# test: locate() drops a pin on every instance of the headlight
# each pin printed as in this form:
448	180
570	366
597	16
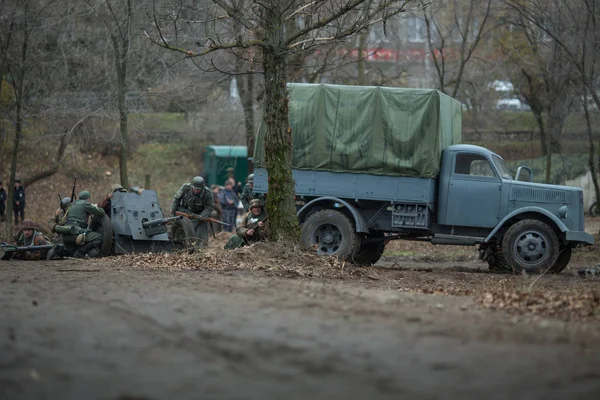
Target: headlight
563	212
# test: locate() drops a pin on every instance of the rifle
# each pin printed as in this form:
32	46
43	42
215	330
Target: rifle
73	191
8	250
200	218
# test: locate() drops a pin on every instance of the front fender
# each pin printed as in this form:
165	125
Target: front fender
538	210
359	220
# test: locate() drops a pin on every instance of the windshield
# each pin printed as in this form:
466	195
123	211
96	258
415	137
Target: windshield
502	167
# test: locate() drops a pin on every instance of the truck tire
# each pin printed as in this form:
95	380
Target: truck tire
369	253
531	246
562	261
103	225
182	233
331	233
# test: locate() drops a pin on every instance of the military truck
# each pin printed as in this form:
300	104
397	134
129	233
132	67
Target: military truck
374	164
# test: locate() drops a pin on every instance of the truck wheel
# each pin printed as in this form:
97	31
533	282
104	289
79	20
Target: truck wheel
369	253
331	233
562	261
182	232
531	246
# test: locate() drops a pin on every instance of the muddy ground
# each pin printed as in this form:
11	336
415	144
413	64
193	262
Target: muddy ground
269	322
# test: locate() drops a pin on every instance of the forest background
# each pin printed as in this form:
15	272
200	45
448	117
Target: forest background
88	89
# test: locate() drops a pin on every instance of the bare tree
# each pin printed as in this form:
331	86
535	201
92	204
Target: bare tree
454	30
263	27
28	28
572	26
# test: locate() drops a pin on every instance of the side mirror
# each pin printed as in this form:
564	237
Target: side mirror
523	167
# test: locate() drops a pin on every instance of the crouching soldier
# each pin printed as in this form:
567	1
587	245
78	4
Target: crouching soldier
30	236
75	232
252	229
196	200
59	217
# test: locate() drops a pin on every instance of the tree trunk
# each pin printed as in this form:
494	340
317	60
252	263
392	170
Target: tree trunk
124	134
283	224
360	64
246	89
557	114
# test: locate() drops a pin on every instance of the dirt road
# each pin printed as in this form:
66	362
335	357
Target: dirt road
98	331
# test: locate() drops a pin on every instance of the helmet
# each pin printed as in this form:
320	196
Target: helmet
250	178
28	224
116	187
84	195
65	202
254	203
198	182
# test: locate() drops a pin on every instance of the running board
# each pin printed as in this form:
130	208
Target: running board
457	240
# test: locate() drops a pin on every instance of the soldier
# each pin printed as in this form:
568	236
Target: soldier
252	229
78	214
2	202
105	204
29	236
18	201
247	194
195	198
59	217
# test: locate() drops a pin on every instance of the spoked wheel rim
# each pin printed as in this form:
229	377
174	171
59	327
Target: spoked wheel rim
327	238
531	248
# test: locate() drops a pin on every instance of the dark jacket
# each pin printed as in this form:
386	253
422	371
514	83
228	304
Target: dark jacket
229	200
2	195
19	195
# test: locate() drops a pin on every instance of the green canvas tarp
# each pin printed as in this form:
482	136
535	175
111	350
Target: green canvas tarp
368	129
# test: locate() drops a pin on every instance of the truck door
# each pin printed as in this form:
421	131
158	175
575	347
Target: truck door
473	192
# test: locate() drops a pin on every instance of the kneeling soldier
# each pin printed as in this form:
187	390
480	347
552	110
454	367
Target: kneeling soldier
76	232
252	229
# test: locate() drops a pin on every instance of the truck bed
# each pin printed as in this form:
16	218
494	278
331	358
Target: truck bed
357	186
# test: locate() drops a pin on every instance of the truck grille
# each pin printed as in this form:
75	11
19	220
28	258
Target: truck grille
537	195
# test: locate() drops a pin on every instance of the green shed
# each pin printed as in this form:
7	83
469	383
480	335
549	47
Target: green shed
218	158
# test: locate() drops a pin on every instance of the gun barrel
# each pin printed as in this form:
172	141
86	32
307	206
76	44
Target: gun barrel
6	250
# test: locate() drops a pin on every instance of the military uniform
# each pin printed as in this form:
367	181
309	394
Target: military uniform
250	222
247	194
36	239
59	217
201	203
78	214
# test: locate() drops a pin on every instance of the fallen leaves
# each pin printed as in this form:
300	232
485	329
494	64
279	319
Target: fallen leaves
544	303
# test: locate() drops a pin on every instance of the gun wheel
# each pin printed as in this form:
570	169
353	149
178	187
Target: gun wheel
182	233
103	225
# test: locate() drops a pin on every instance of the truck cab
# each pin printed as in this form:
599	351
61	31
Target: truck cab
520	225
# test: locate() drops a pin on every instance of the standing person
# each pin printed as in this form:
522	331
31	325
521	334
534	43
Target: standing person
247	194
195	198
2	203
217	212
18	201
78	216
229	202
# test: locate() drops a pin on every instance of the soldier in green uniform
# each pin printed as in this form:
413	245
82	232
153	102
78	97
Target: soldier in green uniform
59	215
247	194
252	229
195	198
78	215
